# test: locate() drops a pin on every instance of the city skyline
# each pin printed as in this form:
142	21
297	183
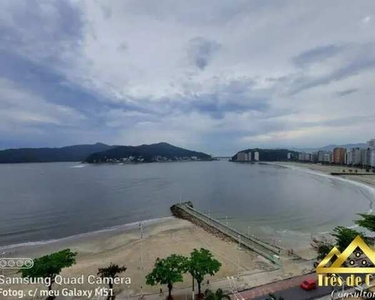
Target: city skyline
212	76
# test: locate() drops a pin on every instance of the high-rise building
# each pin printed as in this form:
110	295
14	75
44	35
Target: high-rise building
348	157
314	157
327	157
339	155
241	156
372	157
365	156
249	156
289	156
256	156
356	156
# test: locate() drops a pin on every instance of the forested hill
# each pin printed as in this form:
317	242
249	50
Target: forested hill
146	153
270	154
70	153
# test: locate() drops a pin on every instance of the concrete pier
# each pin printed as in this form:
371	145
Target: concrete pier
186	211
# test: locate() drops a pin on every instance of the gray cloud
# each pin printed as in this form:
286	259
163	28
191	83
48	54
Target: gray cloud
346	92
201	51
316	54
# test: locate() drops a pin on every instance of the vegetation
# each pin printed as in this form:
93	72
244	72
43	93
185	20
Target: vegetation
71	153
112	272
167	271
145	153
49	266
344	236
201	263
218	295
367	221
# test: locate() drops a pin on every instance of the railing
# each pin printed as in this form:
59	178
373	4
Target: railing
262	248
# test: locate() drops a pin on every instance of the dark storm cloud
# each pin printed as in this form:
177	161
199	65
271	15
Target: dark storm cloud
201	51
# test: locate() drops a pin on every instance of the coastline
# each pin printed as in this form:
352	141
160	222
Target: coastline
368	180
125	246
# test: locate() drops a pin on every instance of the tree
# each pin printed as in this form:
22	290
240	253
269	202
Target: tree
167	271
111	272
49	266
218	295
344	236
368	221
201	263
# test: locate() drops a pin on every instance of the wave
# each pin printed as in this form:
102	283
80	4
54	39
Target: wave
87	234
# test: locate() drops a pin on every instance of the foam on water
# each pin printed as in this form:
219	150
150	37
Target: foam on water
88	234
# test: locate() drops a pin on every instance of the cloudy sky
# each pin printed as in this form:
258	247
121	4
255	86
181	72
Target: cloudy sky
216	76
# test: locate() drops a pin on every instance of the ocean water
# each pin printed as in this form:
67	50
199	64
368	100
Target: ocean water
41	202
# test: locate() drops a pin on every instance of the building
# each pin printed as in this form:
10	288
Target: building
356	156
241	156
249	156
327	157
314	157
348	157
339	155
372	157
256	156
289	156
366	156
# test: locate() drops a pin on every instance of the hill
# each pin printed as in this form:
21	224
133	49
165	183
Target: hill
70	153
146	153
270	154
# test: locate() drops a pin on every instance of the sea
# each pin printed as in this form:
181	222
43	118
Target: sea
41	202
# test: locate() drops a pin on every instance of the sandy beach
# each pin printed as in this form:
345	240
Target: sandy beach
124	247
162	237
327	169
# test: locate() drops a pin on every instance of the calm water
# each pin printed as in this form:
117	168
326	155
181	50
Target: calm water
55	200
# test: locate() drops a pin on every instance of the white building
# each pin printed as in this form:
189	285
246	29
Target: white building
289	156
327	157
256	156
249	156
372	157
241	156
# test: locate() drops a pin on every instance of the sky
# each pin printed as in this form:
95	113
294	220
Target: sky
217	76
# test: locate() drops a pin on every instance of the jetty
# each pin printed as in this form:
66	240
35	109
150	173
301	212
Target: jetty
186	211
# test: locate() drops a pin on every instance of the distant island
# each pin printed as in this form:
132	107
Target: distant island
257	154
64	154
102	153
160	152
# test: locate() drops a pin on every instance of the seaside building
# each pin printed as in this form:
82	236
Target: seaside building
241	156
249	156
314	157
289	156
356	156
327	157
339	155
256	156
348	157
366	156
372	158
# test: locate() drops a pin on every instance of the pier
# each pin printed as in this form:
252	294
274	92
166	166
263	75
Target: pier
188	212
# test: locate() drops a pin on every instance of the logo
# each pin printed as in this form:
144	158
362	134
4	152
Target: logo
16	263
357	258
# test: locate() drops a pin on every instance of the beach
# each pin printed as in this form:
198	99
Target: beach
328	169
128	245
125	247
